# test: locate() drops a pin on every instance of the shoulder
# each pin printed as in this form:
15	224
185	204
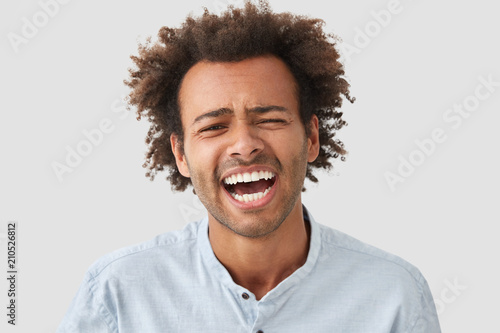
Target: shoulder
130	278
364	279
170	246
363	272
368	261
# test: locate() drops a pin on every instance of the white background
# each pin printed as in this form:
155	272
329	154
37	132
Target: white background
68	77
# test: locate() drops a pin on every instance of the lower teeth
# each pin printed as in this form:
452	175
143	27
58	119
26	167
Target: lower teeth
252	196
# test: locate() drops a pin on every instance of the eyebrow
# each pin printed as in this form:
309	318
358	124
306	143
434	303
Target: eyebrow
225	111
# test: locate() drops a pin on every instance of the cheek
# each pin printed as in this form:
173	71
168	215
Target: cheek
290	143
203	156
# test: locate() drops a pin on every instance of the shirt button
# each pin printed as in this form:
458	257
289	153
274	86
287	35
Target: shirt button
245	296
260	331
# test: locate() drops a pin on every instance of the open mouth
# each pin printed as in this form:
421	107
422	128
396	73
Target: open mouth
248	187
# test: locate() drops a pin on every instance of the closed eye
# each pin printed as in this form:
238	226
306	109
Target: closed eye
273	121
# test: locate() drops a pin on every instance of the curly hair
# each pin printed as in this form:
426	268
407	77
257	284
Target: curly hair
232	36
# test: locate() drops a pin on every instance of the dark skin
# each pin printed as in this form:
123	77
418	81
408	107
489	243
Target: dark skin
263	241
237	34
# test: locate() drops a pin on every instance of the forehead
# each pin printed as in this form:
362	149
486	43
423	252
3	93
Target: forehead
252	82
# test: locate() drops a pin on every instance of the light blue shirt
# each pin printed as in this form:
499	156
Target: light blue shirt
174	283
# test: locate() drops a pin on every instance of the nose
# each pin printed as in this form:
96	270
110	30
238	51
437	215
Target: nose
245	142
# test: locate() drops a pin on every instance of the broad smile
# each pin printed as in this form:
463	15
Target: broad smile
250	187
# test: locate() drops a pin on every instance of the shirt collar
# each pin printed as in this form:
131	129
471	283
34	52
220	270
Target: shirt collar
216	268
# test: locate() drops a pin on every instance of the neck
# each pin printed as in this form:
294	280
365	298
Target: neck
260	264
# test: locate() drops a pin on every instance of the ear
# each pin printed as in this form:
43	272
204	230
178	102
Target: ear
180	158
313	139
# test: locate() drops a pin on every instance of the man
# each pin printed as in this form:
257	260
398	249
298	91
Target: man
242	107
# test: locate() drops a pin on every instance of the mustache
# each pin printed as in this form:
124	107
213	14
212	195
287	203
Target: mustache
238	162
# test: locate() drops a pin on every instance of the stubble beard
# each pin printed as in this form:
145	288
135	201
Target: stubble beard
258	227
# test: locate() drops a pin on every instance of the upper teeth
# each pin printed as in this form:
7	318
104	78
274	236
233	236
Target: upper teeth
248	177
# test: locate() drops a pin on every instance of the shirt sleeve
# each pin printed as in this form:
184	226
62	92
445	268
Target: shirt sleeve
87	314
427	321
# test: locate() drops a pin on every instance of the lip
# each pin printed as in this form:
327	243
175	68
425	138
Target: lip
259	203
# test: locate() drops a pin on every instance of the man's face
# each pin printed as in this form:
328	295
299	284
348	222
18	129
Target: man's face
245	147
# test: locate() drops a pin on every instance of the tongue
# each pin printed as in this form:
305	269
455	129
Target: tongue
252	187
